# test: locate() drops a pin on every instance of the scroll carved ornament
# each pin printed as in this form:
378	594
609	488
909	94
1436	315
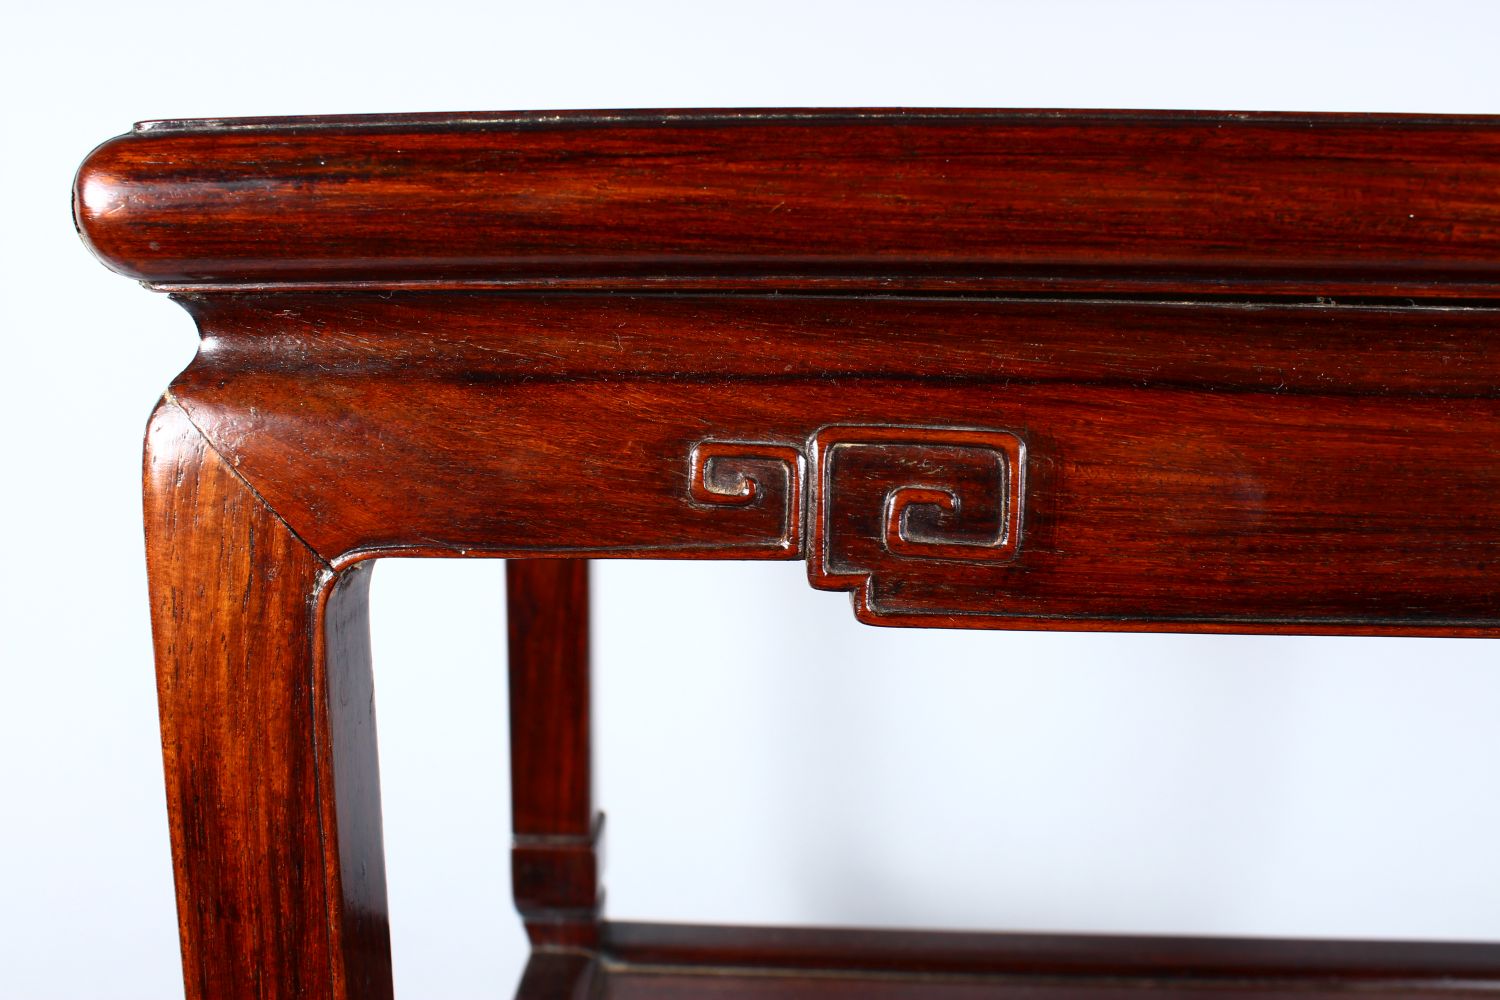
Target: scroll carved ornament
745	474
882	502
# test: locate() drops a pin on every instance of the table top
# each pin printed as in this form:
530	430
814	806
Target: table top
1035	202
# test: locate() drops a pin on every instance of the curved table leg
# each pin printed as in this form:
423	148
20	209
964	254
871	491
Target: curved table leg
268	732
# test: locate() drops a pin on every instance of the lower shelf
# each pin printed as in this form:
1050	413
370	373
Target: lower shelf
637	961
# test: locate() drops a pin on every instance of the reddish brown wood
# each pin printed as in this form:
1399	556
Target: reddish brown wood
554	869
268	732
1140	958
1204	467
753	475
669	961
715	984
1111	200
451	335
561	975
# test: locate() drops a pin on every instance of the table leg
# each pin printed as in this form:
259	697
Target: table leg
268	733
554	862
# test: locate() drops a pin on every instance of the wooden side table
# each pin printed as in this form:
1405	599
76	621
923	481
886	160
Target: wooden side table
1119	371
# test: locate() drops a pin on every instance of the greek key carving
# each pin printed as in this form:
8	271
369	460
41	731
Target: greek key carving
891	501
751	474
888	505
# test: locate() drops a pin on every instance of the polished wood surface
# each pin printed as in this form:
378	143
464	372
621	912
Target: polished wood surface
666	960
554	864
640	960
1205	466
1064	370
1346	204
268	732
1120	957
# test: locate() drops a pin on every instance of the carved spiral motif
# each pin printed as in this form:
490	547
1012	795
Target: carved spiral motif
889	505
745	474
917	520
892	504
902	502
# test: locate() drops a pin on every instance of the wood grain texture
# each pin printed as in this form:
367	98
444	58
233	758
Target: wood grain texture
268	735
1224	467
1140	201
554	863
1066	370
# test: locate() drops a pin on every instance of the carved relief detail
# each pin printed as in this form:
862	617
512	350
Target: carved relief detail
751	474
891	501
887	504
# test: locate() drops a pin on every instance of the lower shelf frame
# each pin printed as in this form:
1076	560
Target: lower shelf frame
636	961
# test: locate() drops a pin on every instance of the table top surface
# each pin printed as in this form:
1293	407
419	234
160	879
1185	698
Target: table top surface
1051	202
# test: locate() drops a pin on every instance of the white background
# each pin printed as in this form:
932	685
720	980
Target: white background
761	757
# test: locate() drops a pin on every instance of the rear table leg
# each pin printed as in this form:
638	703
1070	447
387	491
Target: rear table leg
554	866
